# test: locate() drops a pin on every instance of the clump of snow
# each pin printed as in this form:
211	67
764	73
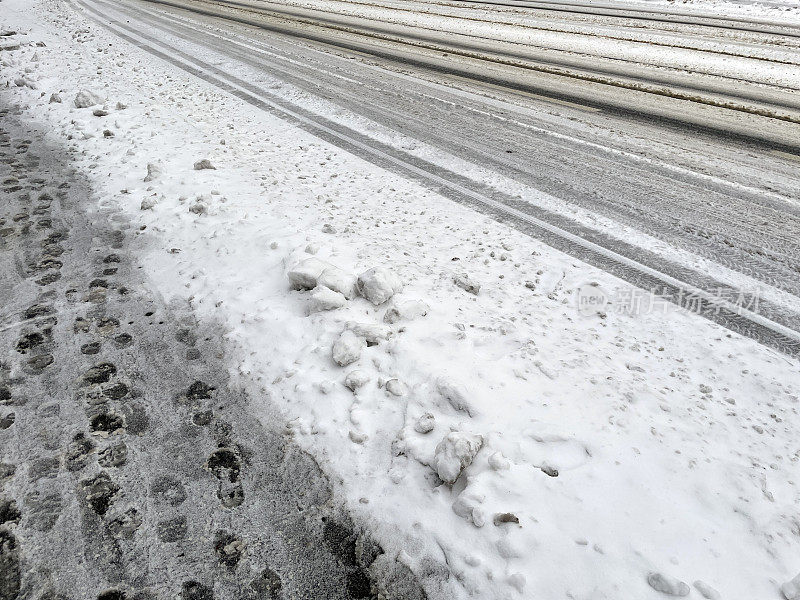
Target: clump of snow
791	589
324	298
455	395
153	172
378	285
667	585
304	276
396	387
356	379
425	424
347	348
498	462
339	281
85	99
455	453
55	99
358	437
408	310
467	506
198	207
374	333
203	164
466	283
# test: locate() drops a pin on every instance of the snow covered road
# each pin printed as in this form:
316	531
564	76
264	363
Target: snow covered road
687	229
397	253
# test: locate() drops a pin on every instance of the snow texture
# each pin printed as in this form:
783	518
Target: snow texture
378	285
455	453
655	472
85	99
324	298
305	275
791	589
667	585
347	348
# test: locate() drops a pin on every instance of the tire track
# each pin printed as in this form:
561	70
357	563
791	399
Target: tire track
773	326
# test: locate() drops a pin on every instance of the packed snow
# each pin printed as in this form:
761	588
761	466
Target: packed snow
497	440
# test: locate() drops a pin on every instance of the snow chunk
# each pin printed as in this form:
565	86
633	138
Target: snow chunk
706	591
455	453
198	208
55	99
425	424
667	585
203	164
153	172
326	299
358	437
466	283
347	348
372	332
406	311
339	281
467	507
305	274
86	99
378	285
355	380
455	395
499	462
791	589
396	387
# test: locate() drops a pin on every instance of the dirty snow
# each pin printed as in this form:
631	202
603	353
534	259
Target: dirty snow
620	456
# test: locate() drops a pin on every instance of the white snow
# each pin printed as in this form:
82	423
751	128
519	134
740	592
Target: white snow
347	348
306	274
791	589
455	453
706	591
378	285
324	298
425	424
85	99
667	585
406	311
338	281
356	379
674	442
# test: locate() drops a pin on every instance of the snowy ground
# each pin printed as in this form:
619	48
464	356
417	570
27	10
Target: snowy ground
778	10
612	447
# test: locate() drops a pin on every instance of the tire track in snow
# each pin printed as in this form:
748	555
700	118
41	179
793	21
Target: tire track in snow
772	326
